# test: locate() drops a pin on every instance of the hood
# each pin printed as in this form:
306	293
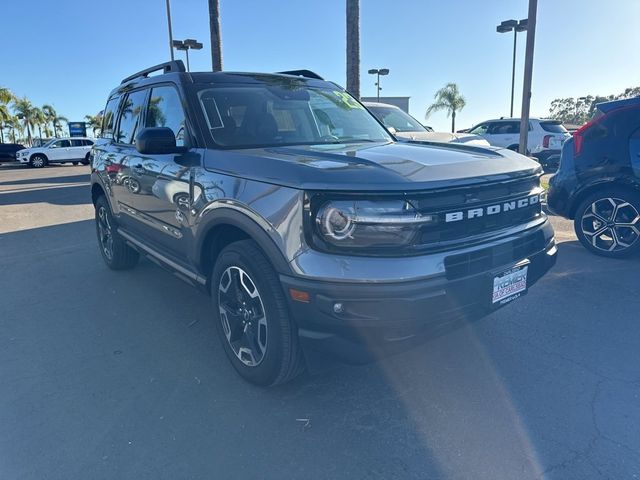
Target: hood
446	137
372	167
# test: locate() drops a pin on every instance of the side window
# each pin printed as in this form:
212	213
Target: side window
61	144
165	110
77	143
109	117
130	116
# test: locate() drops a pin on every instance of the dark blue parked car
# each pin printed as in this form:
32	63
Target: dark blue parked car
598	182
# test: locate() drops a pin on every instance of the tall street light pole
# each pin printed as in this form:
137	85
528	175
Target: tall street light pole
515	26
378	72
170	30
528	75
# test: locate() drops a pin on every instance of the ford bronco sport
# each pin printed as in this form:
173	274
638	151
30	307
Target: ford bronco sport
312	229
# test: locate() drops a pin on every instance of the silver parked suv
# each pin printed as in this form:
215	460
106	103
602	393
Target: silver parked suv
311	228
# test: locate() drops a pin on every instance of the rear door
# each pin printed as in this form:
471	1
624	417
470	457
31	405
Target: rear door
634	152
77	149
128	184
556	132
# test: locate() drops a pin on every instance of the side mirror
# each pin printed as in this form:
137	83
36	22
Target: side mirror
157	140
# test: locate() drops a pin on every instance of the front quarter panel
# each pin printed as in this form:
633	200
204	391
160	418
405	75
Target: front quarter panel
277	211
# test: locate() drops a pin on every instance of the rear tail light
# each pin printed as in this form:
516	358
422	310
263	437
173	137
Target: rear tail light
545	141
578	137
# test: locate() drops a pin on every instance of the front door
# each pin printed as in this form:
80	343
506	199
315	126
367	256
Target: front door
59	151
166	206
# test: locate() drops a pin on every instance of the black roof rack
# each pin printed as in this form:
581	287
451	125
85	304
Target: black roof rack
302	73
172	66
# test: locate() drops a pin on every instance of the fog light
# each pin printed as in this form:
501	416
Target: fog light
338	307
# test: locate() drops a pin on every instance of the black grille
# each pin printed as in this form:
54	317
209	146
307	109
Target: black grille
438	204
478	261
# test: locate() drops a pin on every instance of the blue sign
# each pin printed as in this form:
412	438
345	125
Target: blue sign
77	129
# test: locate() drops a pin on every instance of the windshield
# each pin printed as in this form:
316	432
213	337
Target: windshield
286	114
398	119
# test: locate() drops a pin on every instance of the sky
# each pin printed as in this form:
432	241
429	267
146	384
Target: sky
71	53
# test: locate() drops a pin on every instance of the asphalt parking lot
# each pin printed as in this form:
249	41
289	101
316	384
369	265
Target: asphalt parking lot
120	375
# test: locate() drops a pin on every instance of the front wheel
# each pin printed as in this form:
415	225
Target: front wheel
38	161
607	222
252	318
114	249
85	161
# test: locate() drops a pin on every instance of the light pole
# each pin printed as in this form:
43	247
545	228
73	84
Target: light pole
186	45
528	75
170	31
378	72
505	27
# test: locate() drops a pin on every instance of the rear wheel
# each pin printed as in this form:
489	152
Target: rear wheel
114	249
252	318
38	161
607	222
75	163
85	161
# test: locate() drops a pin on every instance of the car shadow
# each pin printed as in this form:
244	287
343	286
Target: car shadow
62	195
49	180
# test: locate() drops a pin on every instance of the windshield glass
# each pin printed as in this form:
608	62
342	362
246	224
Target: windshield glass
286	114
398	119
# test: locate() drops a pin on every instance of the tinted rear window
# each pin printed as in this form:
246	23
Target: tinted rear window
553	127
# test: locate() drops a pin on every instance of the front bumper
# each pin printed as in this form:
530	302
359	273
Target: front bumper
359	322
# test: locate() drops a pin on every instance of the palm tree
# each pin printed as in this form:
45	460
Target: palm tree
449	99
39	119
353	47
57	125
12	123
5	98
24	111
94	121
216	35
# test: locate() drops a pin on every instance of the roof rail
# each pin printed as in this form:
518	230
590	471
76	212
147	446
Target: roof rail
302	73
172	66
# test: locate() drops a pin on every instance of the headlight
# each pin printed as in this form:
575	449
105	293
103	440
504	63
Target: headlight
370	224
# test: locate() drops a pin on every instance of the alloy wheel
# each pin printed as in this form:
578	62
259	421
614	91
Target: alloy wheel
243	316
611	224
106	234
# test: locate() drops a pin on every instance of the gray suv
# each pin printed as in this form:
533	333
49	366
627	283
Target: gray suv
315	233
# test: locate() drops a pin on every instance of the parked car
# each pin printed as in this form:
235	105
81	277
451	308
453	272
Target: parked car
598	182
313	231
8	151
545	137
406	128
58	150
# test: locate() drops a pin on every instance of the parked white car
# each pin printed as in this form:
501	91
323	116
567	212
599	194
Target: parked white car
545	139
406	128
58	150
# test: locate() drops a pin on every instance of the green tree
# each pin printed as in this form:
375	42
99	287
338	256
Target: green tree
24	111
6	97
95	122
450	100
39	119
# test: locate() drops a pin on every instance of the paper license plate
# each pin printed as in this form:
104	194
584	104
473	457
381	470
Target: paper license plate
509	285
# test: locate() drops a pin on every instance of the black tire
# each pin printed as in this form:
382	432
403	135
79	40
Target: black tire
115	253
607	222
281	359
38	161
75	163
85	161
